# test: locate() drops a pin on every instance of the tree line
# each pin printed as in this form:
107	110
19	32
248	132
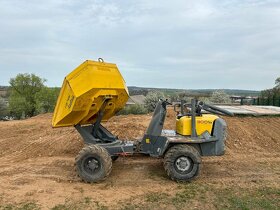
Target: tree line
28	96
218	96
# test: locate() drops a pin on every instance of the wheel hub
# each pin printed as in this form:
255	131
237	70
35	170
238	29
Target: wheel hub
92	164
183	163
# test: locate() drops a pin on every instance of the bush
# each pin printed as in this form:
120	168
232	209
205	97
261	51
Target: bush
220	96
133	109
204	99
152	99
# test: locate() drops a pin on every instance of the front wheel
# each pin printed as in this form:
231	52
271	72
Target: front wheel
182	162
93	163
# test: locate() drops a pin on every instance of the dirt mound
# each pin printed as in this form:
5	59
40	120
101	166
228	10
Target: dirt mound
36	160
36	138
253	134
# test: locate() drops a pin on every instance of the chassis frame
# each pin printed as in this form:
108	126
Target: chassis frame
156	141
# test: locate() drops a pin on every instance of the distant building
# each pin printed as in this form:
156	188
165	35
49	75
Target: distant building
3	92
136	99
242	99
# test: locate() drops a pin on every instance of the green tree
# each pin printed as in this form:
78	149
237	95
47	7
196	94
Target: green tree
219	96
22	100
46	99
151	100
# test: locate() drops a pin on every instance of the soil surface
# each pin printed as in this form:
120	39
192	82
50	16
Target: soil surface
37	162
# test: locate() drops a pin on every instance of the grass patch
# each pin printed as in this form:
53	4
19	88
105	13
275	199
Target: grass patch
202	196
156	197
21	206
263	198
246	202
86	203
187	196
130	206
187	193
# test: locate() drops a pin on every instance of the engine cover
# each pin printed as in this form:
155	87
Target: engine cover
203	123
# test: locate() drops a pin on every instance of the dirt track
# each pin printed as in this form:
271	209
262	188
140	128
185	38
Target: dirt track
36	163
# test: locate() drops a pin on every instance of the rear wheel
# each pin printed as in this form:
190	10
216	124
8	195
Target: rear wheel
182	162
93	163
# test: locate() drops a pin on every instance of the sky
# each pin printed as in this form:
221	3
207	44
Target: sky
185	44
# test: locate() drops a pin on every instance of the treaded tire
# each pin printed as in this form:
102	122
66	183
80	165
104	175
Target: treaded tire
186	172
93	163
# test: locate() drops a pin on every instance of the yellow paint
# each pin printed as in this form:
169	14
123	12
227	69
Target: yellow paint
147	141
203	123
84	90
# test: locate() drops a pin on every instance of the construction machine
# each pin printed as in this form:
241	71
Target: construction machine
96	91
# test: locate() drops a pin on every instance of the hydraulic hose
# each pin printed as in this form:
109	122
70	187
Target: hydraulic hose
218	109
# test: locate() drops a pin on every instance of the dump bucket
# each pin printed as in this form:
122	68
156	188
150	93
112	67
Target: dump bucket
84	91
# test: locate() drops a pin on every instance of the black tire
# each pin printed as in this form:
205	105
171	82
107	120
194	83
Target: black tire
114	157
182	162
93	163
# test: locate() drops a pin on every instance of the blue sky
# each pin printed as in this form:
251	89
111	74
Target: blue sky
173	44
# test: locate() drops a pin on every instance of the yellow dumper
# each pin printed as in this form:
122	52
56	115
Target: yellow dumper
95	91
